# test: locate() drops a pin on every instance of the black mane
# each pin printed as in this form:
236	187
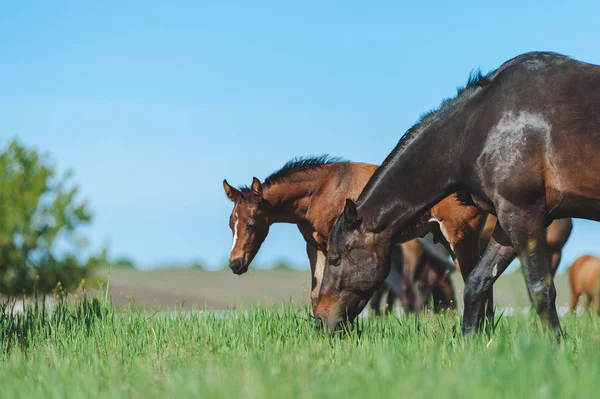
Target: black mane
476	79
298	164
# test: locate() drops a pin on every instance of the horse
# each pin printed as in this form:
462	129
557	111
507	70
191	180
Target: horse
425	273
310	193
520	142
584	277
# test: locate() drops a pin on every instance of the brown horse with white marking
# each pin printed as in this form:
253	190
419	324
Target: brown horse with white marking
310	193
584	278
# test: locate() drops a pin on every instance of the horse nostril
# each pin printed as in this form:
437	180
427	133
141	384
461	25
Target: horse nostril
236	265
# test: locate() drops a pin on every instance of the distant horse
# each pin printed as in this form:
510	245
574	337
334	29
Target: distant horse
584	277
425	273
521	142
310	193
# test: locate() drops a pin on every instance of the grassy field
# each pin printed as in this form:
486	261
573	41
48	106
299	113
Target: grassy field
93	350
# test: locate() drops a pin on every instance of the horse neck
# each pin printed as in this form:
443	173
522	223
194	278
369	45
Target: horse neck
288	201
415	178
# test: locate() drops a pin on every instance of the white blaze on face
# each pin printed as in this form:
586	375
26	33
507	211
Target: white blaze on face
319	268
235	234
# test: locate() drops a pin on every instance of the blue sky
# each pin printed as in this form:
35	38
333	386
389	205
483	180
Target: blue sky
153	104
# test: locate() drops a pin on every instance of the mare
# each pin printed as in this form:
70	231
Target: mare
310	193
584	278
521	143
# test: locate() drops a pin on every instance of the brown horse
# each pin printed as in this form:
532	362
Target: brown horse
309	193
425	273
521	142
584	277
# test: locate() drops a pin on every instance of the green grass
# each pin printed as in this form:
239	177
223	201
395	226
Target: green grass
90	349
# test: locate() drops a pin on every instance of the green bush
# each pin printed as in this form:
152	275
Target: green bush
123	263
40	212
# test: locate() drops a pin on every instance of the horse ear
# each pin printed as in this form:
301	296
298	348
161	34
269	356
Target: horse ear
256	189
232	193
351	220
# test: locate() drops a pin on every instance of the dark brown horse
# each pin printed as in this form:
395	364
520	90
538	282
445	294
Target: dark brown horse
310	193
584	278
521	142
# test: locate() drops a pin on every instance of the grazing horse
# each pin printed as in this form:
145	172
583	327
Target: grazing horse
310	193
584	277
521	142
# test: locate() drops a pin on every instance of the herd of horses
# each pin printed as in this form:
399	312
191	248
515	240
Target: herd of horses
494	173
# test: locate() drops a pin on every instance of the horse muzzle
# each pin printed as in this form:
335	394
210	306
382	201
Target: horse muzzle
239	265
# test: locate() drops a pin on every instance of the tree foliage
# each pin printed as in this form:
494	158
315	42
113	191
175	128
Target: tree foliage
40	220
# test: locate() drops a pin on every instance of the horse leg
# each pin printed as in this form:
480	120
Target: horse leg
467	255
478	287
527	232
596	301
423	293
311	251
574	300
317	263
556	256
489	308
554	262
437	299
588	302
376	300
391	298
575	293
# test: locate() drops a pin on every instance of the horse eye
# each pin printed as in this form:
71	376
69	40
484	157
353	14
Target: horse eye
334	260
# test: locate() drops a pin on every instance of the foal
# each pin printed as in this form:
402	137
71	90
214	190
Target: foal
310	193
